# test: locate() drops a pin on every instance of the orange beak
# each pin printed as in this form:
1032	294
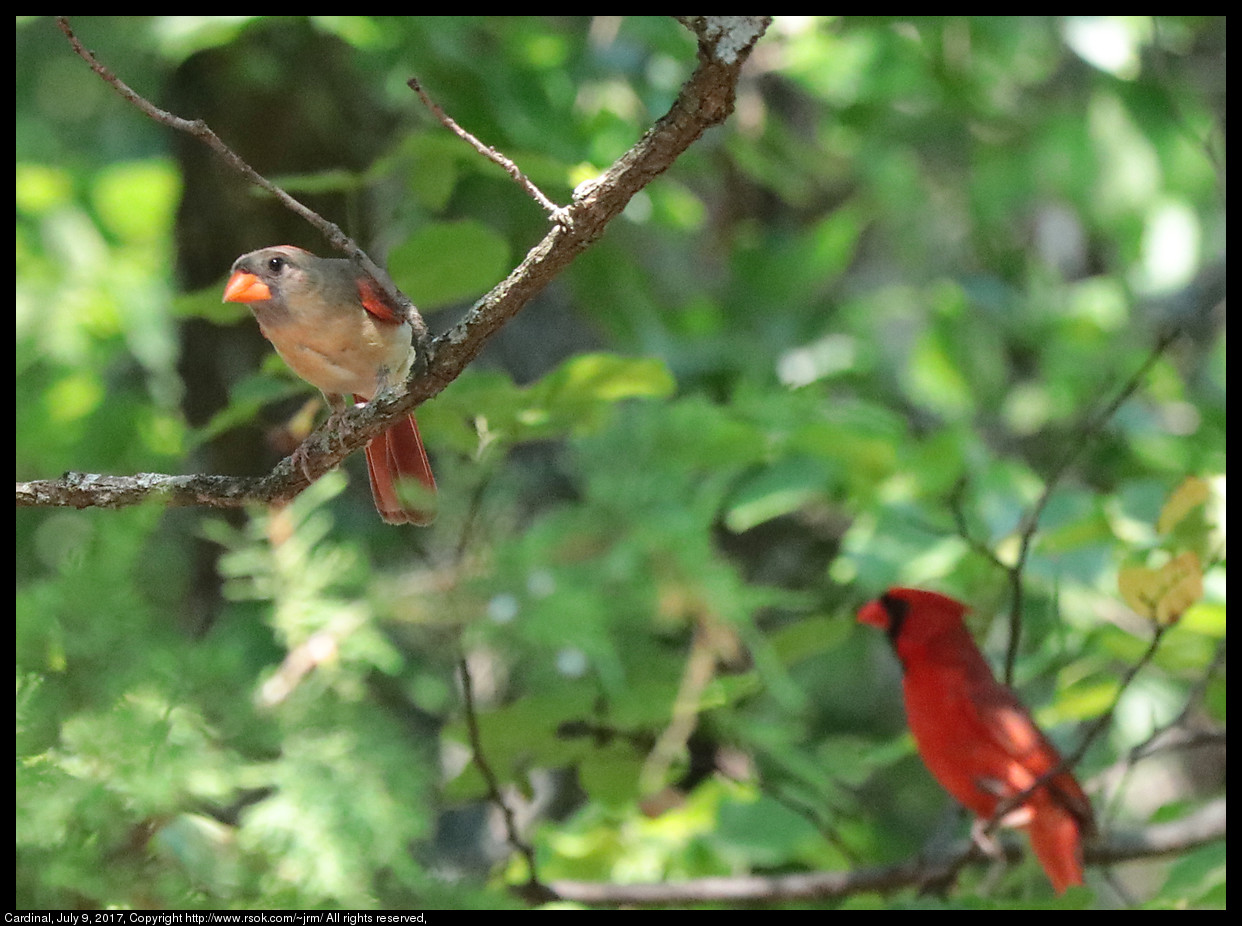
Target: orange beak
245	287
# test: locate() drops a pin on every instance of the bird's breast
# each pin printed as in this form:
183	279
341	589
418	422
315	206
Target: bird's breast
344	353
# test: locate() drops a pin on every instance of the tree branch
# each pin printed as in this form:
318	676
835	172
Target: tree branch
705	100
1198	828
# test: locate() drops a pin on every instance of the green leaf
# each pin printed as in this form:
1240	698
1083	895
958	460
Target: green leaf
593	379
779	489
448	262
136	200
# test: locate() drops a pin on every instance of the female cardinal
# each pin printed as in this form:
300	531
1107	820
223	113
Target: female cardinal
975	736
339	332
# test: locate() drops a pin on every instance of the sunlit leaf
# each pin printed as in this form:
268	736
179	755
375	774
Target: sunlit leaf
1192	493
1163	594
779	489
448	262
136	200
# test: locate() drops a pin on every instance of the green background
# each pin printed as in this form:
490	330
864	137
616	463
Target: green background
839	346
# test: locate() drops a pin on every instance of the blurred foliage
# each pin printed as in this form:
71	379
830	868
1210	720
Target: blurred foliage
916	258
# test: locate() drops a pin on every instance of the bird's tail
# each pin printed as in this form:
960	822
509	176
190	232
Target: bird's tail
394	457
1056	837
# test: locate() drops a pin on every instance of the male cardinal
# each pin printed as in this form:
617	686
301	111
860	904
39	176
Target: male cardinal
341	333
975	736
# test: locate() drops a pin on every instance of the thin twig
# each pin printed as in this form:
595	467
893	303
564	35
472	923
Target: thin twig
203	132
1091	426
957	508
555	211
1196	695
494	794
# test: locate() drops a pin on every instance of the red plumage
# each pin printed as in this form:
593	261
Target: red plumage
392	457
974	735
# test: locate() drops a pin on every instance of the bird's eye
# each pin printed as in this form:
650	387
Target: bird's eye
276	264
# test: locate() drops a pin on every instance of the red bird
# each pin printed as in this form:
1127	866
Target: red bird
340	333
975	736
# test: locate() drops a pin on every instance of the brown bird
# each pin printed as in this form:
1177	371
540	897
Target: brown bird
342	334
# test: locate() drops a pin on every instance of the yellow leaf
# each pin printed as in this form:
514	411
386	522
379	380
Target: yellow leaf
1163	594
1185	587
1192	493
1137	587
